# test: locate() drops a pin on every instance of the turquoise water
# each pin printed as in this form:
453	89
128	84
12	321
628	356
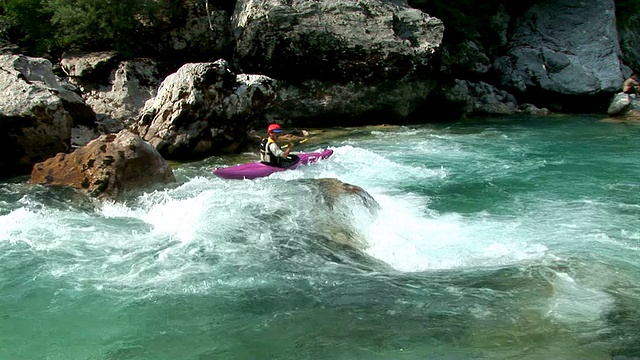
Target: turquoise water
510	238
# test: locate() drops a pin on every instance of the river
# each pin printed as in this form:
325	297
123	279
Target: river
500	238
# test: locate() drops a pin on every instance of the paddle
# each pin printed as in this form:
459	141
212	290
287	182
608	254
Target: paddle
289	146
292	143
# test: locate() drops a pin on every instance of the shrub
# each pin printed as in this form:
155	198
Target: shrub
27	23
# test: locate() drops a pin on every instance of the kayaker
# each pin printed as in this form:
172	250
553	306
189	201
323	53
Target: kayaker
271	153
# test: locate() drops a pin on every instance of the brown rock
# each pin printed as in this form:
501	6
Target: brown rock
333	189
107	167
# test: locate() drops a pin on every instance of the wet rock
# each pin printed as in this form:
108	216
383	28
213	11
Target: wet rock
625	106
342	203
107	167
619	104
333	189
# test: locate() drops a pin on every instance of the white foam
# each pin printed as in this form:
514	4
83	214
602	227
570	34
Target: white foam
14	224
576	303
409	239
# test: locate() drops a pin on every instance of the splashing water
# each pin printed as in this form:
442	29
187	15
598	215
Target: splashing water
494	239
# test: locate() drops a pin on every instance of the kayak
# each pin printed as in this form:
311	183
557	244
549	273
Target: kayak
258	169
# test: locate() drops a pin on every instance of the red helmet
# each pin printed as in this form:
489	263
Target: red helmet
274	128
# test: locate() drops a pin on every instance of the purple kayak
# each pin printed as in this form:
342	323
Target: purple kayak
257	169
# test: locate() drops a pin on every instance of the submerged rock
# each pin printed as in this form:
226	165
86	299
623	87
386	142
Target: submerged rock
333	190
340	204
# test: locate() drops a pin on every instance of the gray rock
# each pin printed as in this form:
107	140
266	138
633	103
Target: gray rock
312	99
619	104
531	109
352	40
119	102
467	57
204	109
36	113
471	98
82	64
564	47
339	58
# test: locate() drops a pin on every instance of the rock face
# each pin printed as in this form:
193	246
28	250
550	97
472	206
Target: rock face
119	102
107	167
320	103
115	90
343	40
564	47
205	32
629	39
36	113
339	58
204	109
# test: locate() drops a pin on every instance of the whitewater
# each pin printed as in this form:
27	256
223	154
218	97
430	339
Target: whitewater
498	238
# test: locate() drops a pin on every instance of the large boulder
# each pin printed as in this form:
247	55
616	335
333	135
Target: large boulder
81	66
107	167
337	58
343	40
564	47
625	106
36	113
204	109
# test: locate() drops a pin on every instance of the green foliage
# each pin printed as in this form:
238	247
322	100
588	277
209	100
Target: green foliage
100	24
26	23
41	27
627	7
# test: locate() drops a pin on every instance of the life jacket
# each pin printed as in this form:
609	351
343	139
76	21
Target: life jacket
266	156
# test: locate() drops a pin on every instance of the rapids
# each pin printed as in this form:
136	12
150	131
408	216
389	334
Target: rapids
496	239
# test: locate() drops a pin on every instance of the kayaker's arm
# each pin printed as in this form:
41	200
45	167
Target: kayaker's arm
286	152
277	151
